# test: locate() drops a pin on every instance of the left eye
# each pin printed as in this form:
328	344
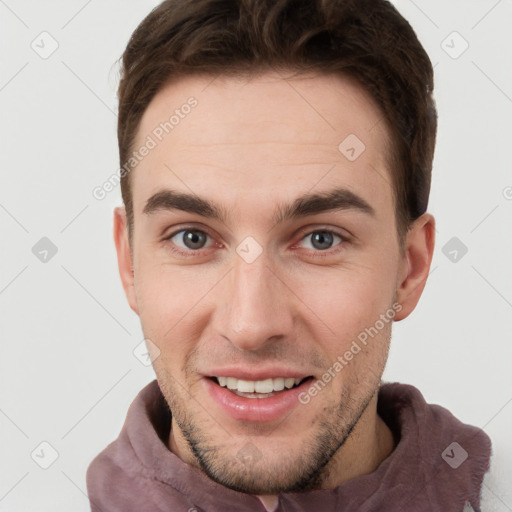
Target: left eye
322	240
192	239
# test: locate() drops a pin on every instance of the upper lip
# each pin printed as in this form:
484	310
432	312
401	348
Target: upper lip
257	374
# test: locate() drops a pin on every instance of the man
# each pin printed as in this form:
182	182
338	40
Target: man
275	163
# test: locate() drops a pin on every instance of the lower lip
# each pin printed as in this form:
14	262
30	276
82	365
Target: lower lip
256	409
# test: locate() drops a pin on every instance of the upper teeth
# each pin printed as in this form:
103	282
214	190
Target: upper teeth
258	386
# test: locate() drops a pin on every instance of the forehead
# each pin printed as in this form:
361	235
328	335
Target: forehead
262	133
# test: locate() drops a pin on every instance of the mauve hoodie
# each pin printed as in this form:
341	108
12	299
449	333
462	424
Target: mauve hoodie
438	464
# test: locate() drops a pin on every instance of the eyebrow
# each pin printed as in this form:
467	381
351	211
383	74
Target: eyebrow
309	204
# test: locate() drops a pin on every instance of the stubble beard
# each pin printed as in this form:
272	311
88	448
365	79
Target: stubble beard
302	471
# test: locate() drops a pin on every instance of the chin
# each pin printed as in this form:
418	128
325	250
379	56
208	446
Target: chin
264	480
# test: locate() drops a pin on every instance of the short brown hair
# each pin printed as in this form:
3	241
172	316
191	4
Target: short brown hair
365	39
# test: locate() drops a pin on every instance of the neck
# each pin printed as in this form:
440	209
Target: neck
370	443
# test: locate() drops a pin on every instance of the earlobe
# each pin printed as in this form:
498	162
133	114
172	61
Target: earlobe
124	257
419	249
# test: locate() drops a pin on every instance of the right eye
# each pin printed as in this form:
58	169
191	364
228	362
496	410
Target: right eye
188	240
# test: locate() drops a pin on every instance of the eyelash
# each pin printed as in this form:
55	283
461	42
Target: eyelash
327	252
303	235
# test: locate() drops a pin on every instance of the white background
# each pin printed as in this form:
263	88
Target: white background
67	369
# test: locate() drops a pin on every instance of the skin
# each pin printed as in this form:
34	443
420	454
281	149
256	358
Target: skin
248	145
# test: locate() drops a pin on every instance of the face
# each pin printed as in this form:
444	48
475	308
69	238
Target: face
267	271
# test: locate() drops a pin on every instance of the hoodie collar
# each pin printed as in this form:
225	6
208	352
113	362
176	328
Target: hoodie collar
438	462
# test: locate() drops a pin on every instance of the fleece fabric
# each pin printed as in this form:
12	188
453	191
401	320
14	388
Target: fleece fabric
438	464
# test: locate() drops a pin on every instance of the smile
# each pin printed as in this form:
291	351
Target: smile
258	388
263	400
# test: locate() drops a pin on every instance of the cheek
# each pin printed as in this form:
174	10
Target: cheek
356	343
347	300
170	303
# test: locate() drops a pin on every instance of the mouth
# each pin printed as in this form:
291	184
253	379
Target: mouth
266	388
265	400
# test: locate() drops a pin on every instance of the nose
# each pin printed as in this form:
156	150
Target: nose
257	306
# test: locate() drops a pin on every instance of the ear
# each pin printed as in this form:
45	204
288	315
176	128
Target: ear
124	256
418	252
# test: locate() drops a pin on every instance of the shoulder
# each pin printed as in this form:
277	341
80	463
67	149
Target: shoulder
493	493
